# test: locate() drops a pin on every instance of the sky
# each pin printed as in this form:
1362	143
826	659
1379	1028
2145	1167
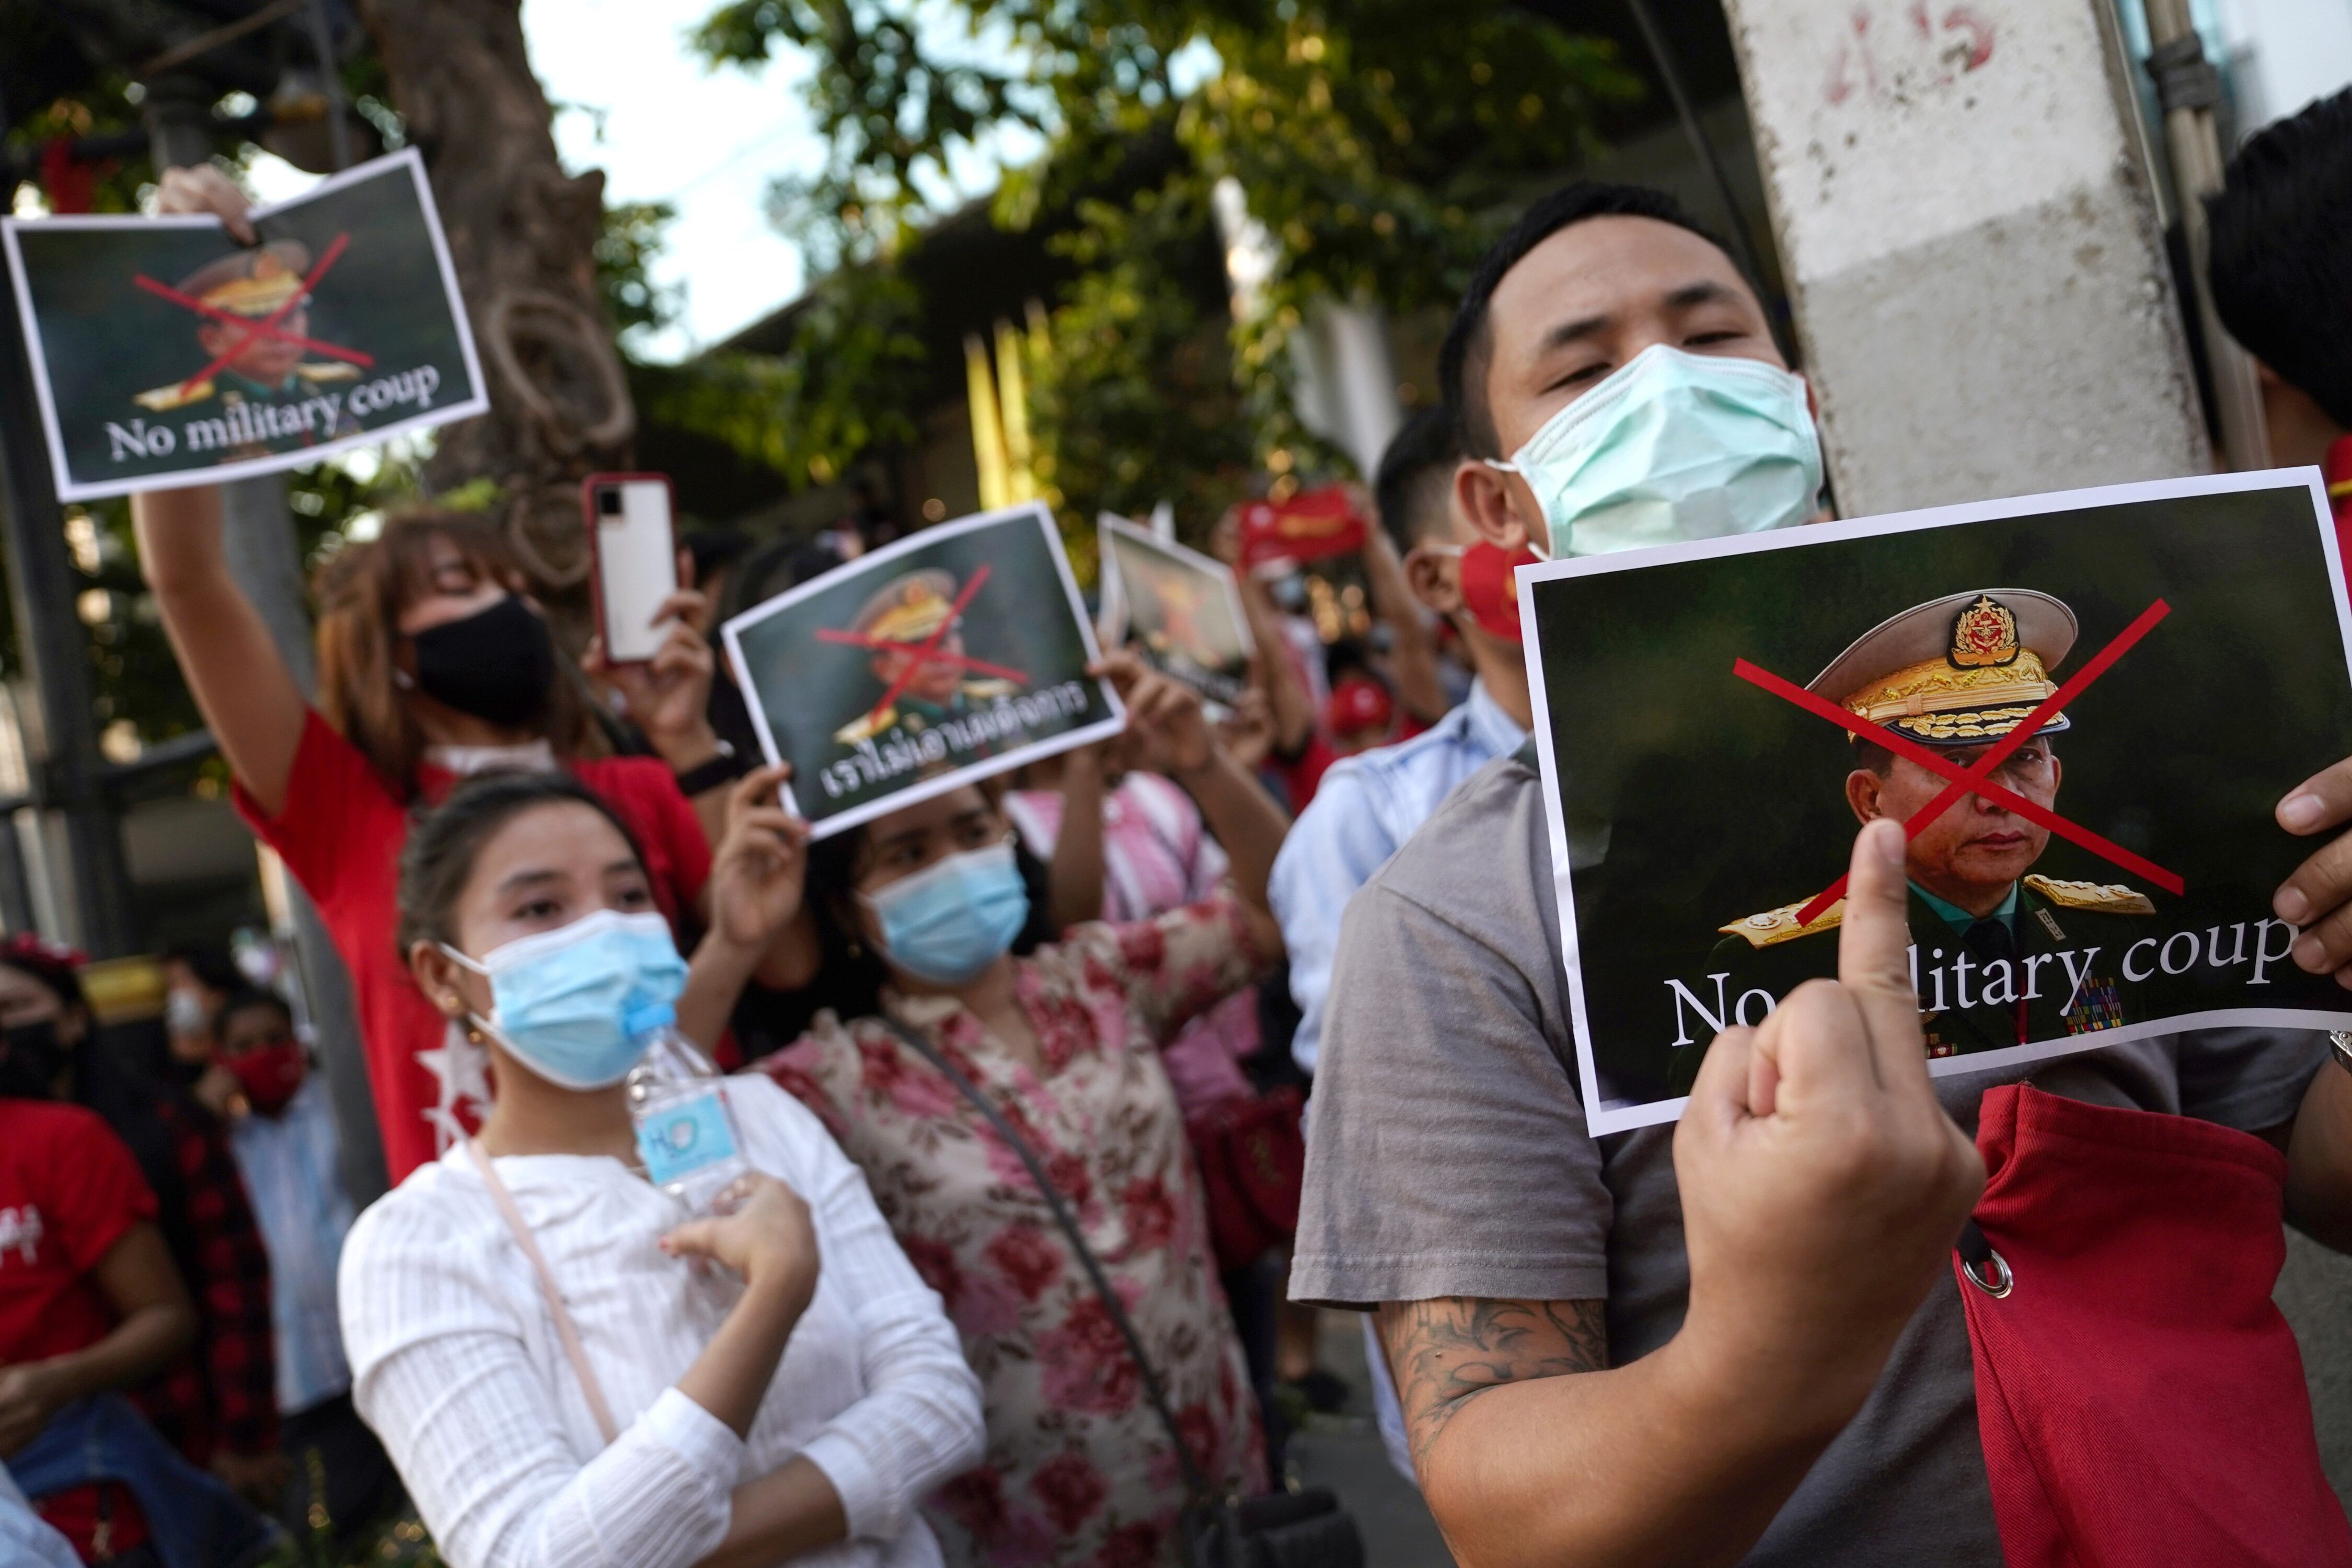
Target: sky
632	101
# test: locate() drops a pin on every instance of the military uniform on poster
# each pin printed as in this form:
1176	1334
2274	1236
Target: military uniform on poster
1959	673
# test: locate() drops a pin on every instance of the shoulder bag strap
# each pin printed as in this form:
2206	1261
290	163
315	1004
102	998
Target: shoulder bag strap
1194	1481
565	1330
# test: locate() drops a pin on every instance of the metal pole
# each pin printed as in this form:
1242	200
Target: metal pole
65	770
2187	89
339	134
1655	38
258	537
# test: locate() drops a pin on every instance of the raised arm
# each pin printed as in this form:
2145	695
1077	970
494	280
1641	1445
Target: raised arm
1823	1188
1294	714
1179	741
757	875
241	684
1074	876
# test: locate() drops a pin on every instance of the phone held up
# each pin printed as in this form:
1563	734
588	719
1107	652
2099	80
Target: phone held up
627	518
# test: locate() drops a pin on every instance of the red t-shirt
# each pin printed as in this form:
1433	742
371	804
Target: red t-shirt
69	1191
341	835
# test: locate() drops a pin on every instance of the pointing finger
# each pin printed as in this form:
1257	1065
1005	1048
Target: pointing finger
1873	954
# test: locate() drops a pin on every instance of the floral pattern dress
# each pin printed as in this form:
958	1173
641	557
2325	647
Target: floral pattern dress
1078	1468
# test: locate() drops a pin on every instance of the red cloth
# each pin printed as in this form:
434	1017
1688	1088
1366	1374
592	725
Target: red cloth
222	1393
2139	1397
340	834
69	1191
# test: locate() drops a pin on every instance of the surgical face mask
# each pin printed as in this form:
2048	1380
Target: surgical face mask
1489	584
578	1006
184	1013
498	664
1673	447
949	921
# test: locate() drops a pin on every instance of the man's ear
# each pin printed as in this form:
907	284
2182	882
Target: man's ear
1497	505
1435	579
441	978
1861	787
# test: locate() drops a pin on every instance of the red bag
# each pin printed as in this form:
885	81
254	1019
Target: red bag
2139	1397
1253	1159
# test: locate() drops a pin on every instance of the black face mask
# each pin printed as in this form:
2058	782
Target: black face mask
496	664
33	1058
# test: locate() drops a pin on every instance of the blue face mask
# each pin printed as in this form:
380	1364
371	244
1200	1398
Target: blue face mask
949	921
1675	446
578	1005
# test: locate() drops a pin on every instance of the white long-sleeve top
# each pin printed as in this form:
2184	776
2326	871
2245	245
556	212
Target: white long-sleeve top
457	1364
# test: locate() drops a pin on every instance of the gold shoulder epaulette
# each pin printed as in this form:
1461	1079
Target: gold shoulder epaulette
163	399
864	728
323	369
982	690
1781	924
2110	898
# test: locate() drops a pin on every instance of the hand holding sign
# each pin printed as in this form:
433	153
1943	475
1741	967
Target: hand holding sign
1823	1185
2319	895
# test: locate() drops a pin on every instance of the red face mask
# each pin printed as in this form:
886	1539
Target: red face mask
268	1075
1489	590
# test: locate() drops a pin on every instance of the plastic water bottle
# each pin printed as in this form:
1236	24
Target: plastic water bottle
677	1102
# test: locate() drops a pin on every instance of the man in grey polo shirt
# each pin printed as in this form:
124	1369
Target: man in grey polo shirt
1766	1372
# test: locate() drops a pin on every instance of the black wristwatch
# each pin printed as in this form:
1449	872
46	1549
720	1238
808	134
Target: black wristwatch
723	769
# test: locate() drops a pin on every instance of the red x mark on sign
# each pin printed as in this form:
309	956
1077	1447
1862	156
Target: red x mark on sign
884	645
267	326
921	653
1977	780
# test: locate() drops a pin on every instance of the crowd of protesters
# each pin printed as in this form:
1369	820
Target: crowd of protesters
992	1285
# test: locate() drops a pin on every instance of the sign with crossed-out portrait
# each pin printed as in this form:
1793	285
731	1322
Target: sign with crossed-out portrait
951	655
2084	707
166	352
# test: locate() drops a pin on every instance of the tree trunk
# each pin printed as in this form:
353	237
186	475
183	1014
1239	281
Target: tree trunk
523	234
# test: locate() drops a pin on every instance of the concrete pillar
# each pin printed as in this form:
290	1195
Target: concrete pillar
1962	197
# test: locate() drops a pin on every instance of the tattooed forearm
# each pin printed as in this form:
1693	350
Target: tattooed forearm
1445	1351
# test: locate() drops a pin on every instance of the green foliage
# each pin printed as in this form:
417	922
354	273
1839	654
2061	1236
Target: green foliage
1383	144
624	252
849	382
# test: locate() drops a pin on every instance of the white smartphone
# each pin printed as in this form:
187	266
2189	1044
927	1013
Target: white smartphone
628	519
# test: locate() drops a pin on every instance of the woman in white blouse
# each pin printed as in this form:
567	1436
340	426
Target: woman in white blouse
770	1383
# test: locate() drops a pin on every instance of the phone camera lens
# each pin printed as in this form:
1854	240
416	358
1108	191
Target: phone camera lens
608	501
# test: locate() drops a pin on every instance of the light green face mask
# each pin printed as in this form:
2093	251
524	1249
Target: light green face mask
1673	447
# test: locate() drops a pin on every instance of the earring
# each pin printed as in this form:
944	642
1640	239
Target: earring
856	948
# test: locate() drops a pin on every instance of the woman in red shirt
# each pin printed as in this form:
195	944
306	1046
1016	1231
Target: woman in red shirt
88	1300
432	663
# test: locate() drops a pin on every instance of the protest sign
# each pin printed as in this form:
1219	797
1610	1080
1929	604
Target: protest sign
954	654
1715	719
1179	606
165	354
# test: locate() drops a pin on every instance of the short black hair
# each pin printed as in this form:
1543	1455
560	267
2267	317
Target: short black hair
714	549
1416	475
212	966
1462	363
438	859
244	1000
2281	256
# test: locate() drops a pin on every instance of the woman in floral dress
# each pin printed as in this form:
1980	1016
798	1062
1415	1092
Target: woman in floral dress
1065	1042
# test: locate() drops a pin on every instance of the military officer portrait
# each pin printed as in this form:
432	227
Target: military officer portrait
1995	940
262	368
932	681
